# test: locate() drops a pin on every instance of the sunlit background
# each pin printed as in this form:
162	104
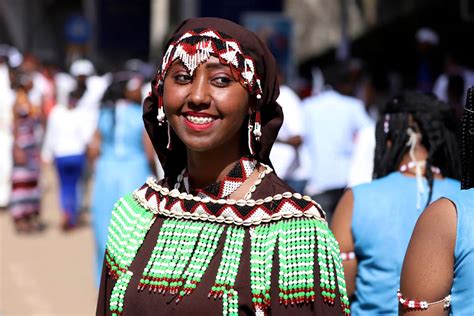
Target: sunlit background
384	45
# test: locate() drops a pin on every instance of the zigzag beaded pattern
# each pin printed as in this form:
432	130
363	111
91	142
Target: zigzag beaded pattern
160	200
184	249
231	182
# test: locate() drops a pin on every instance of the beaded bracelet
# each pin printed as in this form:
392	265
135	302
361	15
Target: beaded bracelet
421	305
350	255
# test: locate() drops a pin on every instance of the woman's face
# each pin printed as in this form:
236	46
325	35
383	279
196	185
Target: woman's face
206	110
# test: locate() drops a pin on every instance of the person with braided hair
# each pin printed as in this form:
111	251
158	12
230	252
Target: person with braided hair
416	161
439	263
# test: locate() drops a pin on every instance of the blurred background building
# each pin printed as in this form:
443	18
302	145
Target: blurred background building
109	32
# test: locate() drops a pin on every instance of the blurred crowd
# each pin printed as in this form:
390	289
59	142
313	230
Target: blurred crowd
88	125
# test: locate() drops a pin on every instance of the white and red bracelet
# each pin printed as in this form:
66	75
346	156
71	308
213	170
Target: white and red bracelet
417	305
347	255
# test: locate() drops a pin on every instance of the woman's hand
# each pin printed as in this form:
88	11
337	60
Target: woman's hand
93	148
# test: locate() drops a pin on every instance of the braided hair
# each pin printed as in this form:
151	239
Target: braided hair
467	142
435	122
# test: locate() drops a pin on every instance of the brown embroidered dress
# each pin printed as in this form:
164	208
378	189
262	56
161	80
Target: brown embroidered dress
149	302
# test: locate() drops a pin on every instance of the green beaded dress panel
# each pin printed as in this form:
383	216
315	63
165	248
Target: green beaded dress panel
185	247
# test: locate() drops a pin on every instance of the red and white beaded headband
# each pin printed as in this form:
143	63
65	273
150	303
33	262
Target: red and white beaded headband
195	47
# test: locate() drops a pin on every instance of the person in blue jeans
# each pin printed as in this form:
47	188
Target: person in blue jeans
66	139
69	169
416	161
438	270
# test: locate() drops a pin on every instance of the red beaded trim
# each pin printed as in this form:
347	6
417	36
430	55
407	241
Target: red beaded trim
112	267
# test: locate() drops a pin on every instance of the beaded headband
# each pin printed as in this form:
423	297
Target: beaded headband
195	47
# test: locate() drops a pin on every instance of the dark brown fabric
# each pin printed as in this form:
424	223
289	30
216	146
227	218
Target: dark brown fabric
145	303
271	114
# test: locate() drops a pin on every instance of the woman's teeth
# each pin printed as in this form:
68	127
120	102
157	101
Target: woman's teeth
199	120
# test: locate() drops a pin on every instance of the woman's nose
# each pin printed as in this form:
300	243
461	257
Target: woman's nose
199	94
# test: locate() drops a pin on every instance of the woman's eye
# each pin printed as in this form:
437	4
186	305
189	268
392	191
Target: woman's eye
182	78
222	81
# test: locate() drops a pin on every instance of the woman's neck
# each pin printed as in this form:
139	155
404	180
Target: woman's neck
205	168
421	154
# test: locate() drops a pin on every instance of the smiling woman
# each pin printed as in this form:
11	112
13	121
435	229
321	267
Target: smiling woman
206	110
221	224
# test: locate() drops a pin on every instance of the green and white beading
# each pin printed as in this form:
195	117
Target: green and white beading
328	261
263	239
204	252
184	249
127	230
296	256
228	269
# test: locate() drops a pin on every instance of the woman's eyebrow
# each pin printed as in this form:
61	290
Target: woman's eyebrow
216	65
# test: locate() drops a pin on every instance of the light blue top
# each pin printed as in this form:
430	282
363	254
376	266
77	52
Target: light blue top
383	220
121	168
462	291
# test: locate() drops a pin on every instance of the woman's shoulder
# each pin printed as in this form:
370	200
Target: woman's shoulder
388	181
462	199
272	185
450	182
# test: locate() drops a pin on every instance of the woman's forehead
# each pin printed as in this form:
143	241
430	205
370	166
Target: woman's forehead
211	63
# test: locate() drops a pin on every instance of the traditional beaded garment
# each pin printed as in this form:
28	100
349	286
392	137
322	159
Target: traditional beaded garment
289	226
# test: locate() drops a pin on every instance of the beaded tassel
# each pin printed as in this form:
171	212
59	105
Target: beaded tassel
149	277
228	268
230	303
172	252
202	256
263	240
127	230
118	293
187	240
329	260
129	225
296	255
341	283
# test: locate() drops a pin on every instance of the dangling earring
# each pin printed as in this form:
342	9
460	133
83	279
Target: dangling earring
161	113
258	126
250	137
169	146
161	116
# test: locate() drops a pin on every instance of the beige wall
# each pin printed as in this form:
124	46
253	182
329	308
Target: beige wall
317	24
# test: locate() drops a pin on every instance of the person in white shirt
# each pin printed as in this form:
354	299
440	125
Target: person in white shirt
67	136
286	154
362	163
457	76
332	122
7	99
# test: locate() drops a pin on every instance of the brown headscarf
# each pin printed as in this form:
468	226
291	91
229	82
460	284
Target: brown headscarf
254	64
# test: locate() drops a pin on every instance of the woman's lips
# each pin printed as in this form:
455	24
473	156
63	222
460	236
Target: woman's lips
198	121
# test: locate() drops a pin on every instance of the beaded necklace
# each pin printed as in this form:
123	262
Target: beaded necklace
239	173
189	238
414	164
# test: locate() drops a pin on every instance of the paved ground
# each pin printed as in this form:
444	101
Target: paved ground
50	273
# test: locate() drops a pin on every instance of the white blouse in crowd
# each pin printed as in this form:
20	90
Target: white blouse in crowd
68	132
